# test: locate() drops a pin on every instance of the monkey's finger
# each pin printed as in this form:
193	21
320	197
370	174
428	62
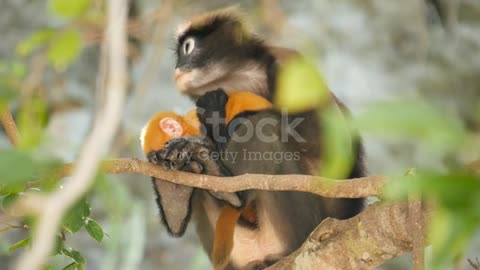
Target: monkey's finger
179	159
210	166
155	157
166	165
177	152
170	146
182	156
193	167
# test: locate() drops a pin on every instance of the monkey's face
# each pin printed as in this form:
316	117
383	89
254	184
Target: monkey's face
215	56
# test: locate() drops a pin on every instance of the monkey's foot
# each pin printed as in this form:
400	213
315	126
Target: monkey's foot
191	154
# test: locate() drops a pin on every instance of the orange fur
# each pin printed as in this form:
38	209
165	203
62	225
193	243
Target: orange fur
154	139
242	101
223	240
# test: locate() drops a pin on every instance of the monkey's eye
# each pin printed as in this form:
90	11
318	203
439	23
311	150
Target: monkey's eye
188	46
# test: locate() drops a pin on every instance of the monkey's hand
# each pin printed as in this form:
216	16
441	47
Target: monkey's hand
212	114
192	154
213	100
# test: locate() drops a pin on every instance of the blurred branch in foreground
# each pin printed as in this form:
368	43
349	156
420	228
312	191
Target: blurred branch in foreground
10	127
52	207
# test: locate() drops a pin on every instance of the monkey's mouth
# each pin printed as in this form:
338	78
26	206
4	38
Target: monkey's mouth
197	82
192	81
182	79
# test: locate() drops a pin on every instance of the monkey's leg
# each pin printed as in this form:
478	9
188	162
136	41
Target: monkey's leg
173	201
223	239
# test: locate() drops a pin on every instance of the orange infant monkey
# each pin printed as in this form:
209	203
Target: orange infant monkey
174	201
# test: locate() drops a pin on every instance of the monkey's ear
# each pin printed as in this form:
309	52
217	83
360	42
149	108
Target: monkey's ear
171	127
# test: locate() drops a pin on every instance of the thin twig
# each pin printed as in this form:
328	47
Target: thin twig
416	221
475	265
10	127
417	225
54	206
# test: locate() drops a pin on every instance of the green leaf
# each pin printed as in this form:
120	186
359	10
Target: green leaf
337	144
59	245
69	8
22	243
74	254
11	73
64	49
16	169
412	120
300	87
95	230
77	216
450	233
29	220
32	119
34	41
7	92
456	216
49	175
456	191
9	200
72	266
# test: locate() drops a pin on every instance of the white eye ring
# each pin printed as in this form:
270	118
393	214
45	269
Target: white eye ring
188	46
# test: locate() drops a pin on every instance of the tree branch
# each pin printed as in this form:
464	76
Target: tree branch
10	127
354	188
52	207
377	234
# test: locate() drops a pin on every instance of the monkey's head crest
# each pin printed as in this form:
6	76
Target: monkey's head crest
217	50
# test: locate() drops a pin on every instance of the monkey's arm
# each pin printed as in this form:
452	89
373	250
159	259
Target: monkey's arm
174	201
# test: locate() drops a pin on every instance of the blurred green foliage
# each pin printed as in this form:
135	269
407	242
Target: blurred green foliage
64	49
26	168
11	73
455	218
457	192
299	73
415	121
300	87
64	44
16	170
70	8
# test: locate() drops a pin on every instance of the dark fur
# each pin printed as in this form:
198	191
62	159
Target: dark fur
166	189
215	44
301	212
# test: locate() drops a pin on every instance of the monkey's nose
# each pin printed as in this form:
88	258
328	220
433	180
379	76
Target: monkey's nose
177	74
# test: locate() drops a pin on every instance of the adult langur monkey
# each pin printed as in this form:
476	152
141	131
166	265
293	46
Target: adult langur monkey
215	51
